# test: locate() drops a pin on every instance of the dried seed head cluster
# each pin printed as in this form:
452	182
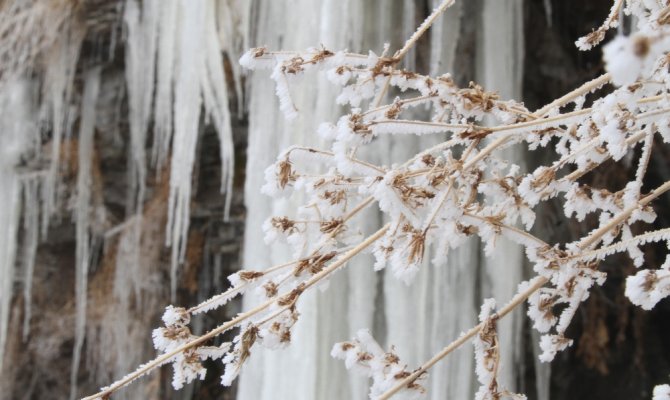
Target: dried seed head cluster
460	188
487	357
364	355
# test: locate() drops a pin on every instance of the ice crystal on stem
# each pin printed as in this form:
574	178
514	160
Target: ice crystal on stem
187	365
364	355
487	356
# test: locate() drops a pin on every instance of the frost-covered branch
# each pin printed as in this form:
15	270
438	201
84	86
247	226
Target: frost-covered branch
460	188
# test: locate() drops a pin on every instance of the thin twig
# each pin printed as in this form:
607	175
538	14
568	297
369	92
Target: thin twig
423	28
160	360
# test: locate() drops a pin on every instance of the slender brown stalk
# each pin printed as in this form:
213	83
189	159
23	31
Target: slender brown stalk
423	28
160	360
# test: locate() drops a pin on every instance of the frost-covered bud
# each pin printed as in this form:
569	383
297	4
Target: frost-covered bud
648	287
661	392
276	334
364	355
540	310
279	177
257	58
239	354
615	138
578	202
188	365
176	316
621	60
279	227
552	344
339	75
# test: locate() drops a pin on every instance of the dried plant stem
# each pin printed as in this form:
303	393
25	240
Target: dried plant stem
638	239
420	123
423	28
436	210
437	147
598	233
646	154
404	101
517	231
347	256
330	154
540	121
160	360
573	176
580	91
234	290
366	202
537	283
519	298
380	96
360	207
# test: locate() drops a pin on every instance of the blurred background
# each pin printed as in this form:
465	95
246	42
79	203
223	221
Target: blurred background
132	150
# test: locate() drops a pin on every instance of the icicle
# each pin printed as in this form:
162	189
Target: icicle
186	120
142	27
83	211
215	94
31	221
163	110
9	215
14	133
198	59
59	76
230	36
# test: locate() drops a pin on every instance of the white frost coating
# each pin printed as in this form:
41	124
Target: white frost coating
364	355
286	104
83	211
662	392
648	287
485	365
400	127
621	62
552	344
14	132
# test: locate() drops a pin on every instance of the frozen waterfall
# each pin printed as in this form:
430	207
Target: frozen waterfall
444	298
